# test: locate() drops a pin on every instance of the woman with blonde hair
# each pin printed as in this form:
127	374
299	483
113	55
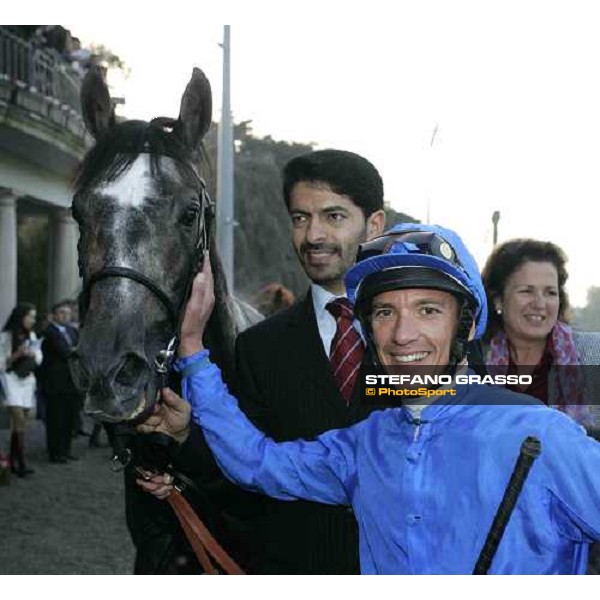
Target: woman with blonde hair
20	354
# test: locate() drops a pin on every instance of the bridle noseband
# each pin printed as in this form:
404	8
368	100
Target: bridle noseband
164	359
128	273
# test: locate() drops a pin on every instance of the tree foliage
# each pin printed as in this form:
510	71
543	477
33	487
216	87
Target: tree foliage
588	317
105	54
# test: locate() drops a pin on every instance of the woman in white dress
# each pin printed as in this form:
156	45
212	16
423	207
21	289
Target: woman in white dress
20	354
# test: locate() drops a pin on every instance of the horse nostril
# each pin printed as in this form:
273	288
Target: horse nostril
129	370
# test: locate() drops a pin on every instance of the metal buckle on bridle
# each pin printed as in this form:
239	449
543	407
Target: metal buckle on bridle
121	460
164	359
179	485
207	213
163	363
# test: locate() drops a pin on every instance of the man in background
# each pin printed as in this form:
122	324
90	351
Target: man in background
62	398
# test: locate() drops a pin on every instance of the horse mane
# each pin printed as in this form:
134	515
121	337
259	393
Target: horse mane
111	156
221	329
120	146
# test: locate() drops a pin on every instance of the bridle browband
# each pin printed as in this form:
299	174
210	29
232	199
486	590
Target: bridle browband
164	359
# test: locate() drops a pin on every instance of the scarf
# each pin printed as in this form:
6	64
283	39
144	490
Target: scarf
567	380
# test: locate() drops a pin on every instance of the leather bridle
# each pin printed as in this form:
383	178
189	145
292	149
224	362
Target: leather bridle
206	548
164	358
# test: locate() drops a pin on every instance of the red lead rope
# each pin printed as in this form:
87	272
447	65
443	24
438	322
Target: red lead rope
201	540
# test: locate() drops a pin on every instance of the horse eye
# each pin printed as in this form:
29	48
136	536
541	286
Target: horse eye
190	213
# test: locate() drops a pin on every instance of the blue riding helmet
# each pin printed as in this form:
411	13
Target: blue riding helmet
412	255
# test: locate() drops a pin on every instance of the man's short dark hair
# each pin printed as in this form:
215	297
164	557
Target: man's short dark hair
61	304
346	173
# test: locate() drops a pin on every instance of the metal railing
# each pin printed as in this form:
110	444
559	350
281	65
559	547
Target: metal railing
38	69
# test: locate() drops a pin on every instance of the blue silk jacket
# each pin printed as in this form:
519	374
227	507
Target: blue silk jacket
424	492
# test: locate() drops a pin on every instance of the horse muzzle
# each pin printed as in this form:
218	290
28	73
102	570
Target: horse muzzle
125	390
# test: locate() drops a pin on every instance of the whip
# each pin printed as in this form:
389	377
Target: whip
530	450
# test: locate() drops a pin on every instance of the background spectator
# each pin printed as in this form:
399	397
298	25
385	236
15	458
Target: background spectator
62	398
19	356
527	329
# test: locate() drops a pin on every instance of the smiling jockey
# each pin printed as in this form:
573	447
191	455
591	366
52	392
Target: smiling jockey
423	481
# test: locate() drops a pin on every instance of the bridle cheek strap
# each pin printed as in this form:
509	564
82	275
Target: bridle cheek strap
164	359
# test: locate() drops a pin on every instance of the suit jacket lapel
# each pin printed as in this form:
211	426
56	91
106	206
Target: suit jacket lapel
65	338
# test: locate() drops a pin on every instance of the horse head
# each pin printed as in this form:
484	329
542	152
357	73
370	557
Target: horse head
143	214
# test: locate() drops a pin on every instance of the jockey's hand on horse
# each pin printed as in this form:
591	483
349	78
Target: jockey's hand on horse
172	415
197	311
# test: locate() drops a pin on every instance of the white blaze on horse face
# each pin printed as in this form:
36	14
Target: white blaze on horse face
129	192
133	186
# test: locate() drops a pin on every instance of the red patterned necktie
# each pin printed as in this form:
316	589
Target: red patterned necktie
347	348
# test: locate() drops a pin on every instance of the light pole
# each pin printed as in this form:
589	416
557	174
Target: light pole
431	142
225	220
495	219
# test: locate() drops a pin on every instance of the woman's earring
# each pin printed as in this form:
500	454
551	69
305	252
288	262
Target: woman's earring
499	311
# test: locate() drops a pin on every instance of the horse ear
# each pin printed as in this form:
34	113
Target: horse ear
195	114
96	107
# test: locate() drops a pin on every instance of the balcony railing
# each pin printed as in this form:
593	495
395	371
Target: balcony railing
38	69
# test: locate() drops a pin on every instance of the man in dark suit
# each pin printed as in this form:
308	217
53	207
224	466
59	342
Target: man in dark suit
62	397
286	382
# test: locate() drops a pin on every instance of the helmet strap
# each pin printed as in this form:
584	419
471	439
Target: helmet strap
458	349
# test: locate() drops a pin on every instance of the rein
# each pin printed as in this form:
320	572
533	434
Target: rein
204	545
201	540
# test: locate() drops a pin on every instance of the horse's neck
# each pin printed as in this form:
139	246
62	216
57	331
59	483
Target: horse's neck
245	315
230	316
